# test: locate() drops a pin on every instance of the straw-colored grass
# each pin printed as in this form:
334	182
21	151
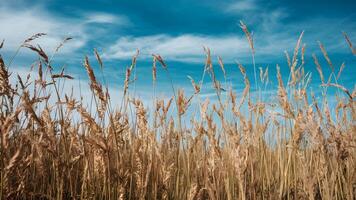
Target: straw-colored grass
118	152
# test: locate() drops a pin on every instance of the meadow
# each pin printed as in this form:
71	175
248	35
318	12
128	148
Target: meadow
54	146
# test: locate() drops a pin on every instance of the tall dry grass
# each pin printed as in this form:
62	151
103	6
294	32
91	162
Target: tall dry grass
46	153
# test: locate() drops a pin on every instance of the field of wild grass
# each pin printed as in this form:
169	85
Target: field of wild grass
53	146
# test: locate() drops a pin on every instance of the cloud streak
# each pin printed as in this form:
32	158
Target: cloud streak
20	22
17	25
186	47
106	18
242	6
189	47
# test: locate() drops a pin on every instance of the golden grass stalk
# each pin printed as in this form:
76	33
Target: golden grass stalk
353	50
318	67
251	43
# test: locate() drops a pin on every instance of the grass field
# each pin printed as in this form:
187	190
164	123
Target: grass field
53	146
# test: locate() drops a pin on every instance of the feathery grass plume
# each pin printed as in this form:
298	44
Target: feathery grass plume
195	86
321	46
26	43
164	66
353	50
62	75
96	87
233	102
141	116
97	56
41	81
296	49
160	60
204	109
182	102
5	88
34	37
62	43
39	51
89	70
283	97
318	67
134	59
222	66
54	76
166	108
251	43
128	72
127	80
246	90
248	36
293	64
242	69
70	102
208	62
298	131
210	69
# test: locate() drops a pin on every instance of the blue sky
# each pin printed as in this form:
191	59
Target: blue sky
178	30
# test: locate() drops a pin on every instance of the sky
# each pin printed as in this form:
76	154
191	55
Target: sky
178	31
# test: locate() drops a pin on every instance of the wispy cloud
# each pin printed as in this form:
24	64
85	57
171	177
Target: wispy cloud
242	6
106	18
185	47
189	47
20	22
263	16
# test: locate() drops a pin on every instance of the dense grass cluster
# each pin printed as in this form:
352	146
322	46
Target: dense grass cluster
53	147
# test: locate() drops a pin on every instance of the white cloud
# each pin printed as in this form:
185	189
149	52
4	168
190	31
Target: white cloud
18	24
263	15
106	18
189	47
242	6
